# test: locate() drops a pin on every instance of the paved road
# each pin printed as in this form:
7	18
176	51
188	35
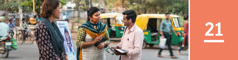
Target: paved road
29	51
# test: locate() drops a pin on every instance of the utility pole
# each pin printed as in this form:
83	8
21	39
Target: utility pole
33	7
20	12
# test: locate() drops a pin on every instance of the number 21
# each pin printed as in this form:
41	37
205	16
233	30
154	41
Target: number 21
211	34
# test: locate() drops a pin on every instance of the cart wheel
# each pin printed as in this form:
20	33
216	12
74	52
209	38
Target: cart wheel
20	38
151	45
32	39
144	45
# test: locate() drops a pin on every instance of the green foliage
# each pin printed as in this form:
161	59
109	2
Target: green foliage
63	2
27	5
11	6
153	6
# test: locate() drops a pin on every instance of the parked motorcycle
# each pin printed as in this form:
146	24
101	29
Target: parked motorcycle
5	46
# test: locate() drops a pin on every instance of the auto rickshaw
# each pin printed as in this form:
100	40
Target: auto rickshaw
114	24
150	24
33	21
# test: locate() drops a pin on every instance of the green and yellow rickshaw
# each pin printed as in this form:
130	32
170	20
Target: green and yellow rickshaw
150	24
114	23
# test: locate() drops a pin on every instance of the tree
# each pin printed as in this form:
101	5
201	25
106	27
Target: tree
152	6
77	2
102	2
9	6
27	5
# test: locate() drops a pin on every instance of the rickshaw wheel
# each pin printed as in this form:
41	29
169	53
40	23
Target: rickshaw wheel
144	45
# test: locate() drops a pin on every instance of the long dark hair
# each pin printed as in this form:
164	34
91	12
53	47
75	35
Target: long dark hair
47	7
91	11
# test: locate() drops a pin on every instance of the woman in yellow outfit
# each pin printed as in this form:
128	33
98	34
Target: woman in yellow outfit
92	37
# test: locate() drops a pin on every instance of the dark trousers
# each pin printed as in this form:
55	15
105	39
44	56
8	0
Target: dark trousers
24	34
185	43
168	43
78	52
12	33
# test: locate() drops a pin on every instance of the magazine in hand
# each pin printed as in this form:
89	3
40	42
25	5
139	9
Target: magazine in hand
121	50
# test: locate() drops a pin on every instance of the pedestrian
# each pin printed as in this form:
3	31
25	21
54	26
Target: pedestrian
48	36
14	20
38	19
132	39
165	31
185	42
92	37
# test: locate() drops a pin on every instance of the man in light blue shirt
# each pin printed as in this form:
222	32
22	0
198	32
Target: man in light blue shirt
3	27
165	29
166	26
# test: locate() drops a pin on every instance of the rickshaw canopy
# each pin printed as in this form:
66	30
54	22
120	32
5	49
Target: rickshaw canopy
109	15
113	15
142	20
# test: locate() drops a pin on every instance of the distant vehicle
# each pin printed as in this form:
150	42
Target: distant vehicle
150	24
33	21
114	23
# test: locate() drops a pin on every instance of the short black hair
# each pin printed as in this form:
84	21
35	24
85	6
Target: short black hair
10	19
131	14
167	13
91	11
34	16
185	17
23	19
65	30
